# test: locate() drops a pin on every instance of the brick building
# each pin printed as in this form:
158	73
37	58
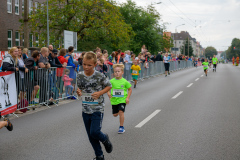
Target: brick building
11	11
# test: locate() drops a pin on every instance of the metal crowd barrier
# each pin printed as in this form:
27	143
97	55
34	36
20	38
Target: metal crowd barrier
45	87
154	69
48	86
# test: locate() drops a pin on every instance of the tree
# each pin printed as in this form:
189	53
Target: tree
167	42
187	49
234	52
210	51
95	21
145	24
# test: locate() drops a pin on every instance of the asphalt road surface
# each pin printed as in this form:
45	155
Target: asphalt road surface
185	116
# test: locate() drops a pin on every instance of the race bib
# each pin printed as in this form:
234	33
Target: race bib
205	66
135	72
214	61
87	99
118	93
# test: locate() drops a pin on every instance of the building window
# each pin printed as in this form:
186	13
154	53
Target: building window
30	5
37	40
30	40
22	5
9	39
9	6
17	38
17	7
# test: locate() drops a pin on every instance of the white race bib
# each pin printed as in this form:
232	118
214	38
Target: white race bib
118	93
135	72
87	99
205	66
214	61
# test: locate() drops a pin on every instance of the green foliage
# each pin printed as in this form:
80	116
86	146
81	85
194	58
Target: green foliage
185	50
97	23
145	24
210	51
234	52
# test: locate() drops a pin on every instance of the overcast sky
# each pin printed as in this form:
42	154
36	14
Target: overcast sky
212	22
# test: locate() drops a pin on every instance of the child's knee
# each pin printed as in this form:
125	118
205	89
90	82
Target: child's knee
115	115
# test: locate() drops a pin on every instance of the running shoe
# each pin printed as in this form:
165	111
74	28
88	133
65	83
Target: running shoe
168	73
121	130
73	97
99	158
9	126
108	145
134	85
165	75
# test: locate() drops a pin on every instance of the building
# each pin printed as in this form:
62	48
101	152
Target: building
179	41
11	12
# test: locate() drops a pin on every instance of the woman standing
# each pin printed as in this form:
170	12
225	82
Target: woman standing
166	60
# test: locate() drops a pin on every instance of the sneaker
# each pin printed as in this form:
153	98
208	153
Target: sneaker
168	73
9	126
121	130
135	86
73	97
108	145
165	75
99	158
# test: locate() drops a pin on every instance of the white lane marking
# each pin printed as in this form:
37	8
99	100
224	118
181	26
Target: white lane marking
178	94
190	85
147	119
197	79
201	75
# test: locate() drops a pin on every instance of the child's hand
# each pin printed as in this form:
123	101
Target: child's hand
79	93
127	101
96	95
110	96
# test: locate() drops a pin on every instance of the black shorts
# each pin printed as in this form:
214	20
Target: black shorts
166	66
215	65
118	107
205	70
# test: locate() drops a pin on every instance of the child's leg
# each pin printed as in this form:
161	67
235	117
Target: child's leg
71	89
66	90
93	124
135	81
121	117
3	124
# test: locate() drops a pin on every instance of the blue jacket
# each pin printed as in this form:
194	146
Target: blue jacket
70	61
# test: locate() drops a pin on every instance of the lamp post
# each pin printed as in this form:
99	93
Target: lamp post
174	36
47	26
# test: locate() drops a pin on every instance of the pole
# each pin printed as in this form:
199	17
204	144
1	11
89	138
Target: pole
25	29
188	46
47	26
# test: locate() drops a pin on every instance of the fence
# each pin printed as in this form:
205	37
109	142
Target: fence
45	86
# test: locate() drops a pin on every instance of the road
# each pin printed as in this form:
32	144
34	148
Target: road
198	119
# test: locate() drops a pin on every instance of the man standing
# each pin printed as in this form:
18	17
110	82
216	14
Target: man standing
128	65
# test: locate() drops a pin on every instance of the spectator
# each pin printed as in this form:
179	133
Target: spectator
112	58
121	60
143	49
50	48
54	61
21	83
101	67
62	60
159	57
71	65
10	60
25	53
67	84
42	75
33	87
118	56
80	59
128	65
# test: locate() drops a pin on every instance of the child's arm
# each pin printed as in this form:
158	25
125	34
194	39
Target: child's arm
129	94
109	94
79	92
96	95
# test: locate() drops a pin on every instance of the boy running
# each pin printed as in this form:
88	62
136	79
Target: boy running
214	61
6	123
135	70
91	86
205	66
119	96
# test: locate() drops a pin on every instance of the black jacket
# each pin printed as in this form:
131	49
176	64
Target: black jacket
8	63
159	58
56	64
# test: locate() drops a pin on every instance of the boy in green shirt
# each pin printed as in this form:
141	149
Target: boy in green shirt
214	61
205	66
119	96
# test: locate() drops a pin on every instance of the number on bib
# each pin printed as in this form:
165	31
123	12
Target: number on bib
135	72
118	93
87	99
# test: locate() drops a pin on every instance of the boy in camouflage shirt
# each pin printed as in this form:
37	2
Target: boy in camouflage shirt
91	86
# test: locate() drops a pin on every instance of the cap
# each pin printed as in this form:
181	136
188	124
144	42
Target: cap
122	54
55	51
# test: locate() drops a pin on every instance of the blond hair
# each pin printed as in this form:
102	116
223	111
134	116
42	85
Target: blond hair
118	65
90	56
25	50
44	49
11	53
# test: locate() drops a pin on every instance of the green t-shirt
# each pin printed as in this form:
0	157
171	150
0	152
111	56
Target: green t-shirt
214	60
119	90
205	65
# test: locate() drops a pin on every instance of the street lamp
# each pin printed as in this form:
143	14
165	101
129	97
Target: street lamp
174	36
156	3
47	26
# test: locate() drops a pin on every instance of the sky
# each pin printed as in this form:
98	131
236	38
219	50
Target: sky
212	22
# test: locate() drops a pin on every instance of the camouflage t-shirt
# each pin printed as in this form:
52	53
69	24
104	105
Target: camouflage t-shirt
88	85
